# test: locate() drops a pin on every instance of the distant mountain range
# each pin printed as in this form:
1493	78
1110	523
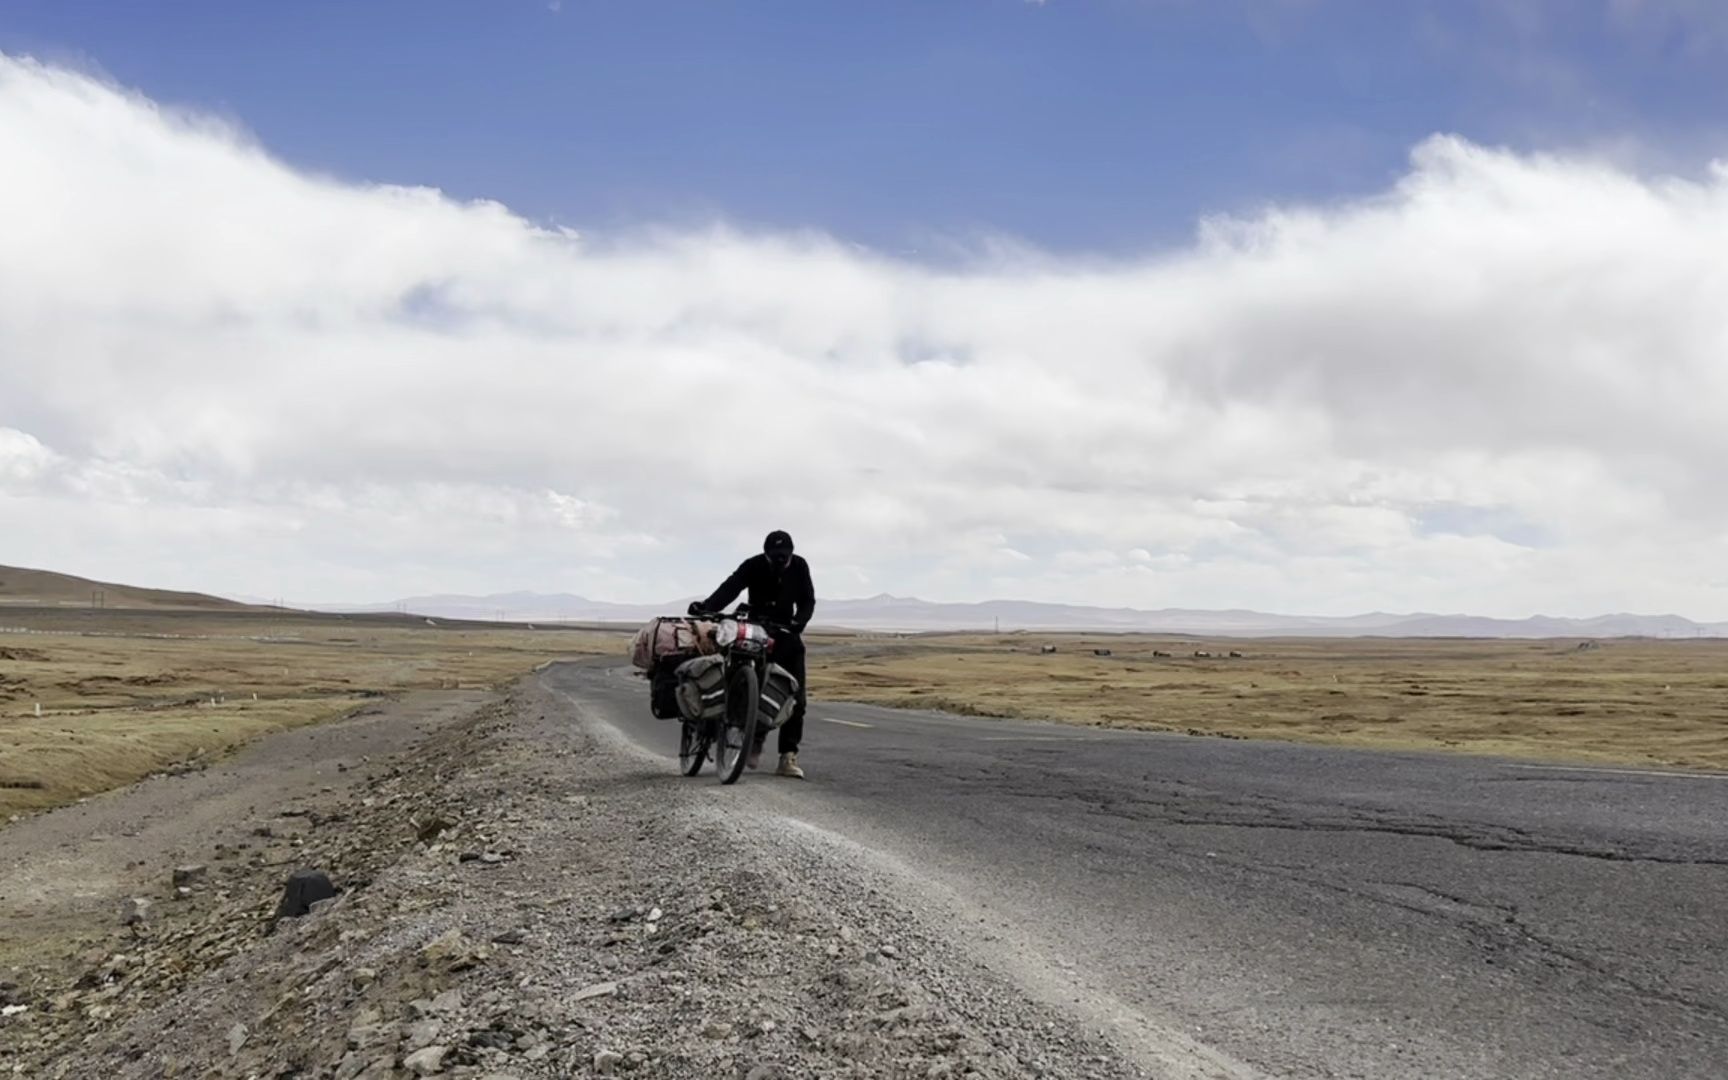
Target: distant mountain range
36	588
904	614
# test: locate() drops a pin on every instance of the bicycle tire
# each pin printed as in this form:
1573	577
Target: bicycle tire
738	729
692	748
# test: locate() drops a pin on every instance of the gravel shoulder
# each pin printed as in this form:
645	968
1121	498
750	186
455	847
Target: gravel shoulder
64	873
524	895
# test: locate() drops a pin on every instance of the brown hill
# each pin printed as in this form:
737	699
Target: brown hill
20	587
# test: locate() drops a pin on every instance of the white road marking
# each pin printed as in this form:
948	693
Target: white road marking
1623	772
848	723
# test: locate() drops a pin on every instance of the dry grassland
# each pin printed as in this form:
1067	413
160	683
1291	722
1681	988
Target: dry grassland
1641	702
127	694
123	695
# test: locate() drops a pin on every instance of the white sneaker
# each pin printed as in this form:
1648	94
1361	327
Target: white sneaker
789	767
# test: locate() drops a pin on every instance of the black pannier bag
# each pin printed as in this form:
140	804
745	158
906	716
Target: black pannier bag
702	688
779	695
663	688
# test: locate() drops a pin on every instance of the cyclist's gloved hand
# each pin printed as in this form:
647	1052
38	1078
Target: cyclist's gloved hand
695	608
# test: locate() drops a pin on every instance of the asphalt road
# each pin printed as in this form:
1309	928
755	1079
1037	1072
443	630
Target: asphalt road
1297	911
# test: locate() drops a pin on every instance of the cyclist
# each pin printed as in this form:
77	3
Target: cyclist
782	596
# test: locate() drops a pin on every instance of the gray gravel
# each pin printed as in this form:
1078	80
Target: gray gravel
525	897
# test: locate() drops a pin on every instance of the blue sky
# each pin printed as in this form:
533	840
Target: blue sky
1295	305
1108	126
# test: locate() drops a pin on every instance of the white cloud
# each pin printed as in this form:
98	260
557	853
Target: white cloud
218	372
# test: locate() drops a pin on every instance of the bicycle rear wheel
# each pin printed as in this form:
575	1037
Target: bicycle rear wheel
692	748
738	730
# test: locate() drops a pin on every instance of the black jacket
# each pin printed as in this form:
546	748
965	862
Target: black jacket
776	596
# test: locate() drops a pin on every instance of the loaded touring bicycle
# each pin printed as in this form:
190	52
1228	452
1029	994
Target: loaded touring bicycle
716	676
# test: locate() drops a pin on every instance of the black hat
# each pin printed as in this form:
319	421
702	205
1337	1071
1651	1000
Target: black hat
778	540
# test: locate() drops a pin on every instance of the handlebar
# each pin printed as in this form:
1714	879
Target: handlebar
778	629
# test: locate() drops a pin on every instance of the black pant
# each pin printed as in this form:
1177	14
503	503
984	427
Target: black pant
789	654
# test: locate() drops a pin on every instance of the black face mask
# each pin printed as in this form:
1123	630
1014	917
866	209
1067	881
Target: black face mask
780	559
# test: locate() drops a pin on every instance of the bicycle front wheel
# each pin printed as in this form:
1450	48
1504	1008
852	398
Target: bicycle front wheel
738	730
